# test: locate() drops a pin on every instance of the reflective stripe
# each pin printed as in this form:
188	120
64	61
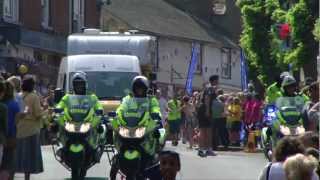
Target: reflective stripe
291	113
132	114
131	154
76	148
82	111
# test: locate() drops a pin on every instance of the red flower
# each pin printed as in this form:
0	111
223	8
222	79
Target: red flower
284	31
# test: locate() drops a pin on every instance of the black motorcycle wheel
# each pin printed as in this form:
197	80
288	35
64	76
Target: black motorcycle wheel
75	173
114	168
113	173
78	174
83	173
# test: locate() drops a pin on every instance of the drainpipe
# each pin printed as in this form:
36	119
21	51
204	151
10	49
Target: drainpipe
70	16
318	58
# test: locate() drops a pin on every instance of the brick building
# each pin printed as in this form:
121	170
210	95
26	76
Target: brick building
34	32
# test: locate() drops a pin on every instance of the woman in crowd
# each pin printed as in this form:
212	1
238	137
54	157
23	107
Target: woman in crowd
188	111
29	158
3	119
219	122
9	153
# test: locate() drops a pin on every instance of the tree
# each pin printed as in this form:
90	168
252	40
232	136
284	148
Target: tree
267	51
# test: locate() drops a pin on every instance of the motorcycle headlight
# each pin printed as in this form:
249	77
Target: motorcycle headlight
140	132
85	127
124	132
300	130
285	130
69	127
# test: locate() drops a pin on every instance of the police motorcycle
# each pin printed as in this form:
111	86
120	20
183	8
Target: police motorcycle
138	136
80	137
269	116
286	114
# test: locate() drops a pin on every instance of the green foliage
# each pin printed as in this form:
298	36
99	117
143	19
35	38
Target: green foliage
316	31
260	39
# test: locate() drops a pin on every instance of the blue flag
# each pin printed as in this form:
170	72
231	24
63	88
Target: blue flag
244	73
195	54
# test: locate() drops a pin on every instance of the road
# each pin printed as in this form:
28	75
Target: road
228	165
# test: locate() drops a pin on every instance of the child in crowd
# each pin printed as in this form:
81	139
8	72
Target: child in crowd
196	136
170	165
234	121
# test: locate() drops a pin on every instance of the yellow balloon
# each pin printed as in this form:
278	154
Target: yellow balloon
23	69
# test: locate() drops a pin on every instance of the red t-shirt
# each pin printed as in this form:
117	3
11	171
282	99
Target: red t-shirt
248	106
256	114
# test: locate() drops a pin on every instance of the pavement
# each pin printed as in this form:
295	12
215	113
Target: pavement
228	165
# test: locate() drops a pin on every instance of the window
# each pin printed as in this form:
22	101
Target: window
199	64
11	10
219	7
78	15
226	63
46	13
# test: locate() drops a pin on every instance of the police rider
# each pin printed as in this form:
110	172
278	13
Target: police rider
274	91
139	109
79	102
136	103
289	87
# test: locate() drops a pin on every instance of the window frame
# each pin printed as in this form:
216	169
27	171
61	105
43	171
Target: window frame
78	15
13	15
46	7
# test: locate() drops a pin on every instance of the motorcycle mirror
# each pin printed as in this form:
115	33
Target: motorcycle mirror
112	114
58	94
58	110
99	112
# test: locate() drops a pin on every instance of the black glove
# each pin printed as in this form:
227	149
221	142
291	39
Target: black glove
54	127
156	133
269	133
100	129
155	116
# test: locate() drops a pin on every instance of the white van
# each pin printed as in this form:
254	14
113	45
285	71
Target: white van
93	41
109	76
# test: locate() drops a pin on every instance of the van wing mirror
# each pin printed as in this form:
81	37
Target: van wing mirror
58	95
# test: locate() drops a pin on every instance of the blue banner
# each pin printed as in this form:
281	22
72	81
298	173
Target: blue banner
195	54
244	72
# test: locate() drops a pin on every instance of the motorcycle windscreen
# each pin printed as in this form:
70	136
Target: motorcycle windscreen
291	109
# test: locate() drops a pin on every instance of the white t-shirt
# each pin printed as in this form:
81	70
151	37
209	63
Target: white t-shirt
277	173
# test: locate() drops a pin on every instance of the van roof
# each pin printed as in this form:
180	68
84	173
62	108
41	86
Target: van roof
115	63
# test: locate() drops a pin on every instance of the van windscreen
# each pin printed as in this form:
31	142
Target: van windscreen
108	85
